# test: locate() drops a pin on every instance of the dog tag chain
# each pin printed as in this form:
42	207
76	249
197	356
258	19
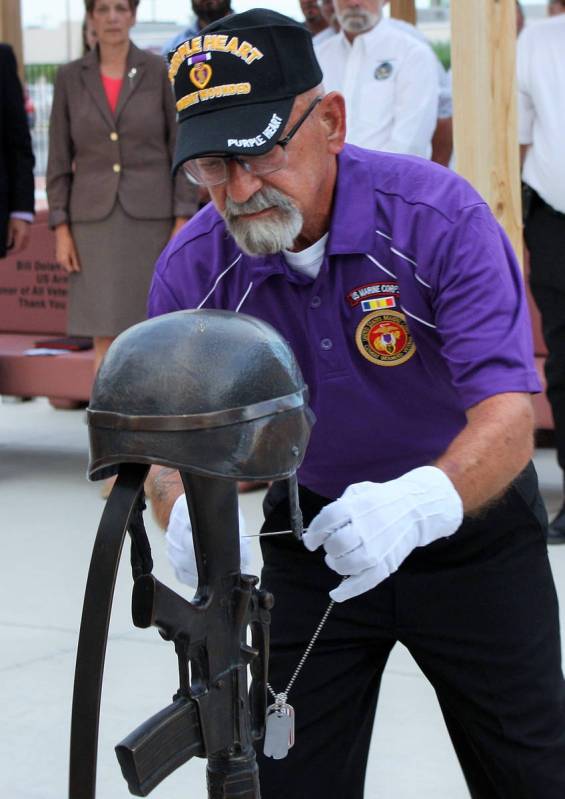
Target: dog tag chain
279	721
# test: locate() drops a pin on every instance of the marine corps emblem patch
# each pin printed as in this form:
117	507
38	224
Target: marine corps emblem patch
384	338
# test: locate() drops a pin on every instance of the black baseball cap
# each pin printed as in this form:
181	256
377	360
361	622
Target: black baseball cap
235	83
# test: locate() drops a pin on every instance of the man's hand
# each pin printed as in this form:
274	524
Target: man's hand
373	527
65	250
165	491
180	546
18	234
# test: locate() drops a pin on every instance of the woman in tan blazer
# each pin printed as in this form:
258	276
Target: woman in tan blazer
112	200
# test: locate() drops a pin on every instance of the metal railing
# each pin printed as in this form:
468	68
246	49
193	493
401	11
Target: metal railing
39	81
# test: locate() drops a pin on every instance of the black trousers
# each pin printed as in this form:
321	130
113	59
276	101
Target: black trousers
482	624
544	233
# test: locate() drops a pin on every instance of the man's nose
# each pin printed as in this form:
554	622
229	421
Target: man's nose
241	185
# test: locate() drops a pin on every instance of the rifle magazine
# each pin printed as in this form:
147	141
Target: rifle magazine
160	745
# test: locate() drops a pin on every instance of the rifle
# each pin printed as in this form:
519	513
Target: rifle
212	715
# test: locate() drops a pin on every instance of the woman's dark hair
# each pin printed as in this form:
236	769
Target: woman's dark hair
89	5
86	45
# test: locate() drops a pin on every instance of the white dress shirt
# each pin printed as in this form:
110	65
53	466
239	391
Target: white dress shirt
541	104
327	33
445	100
390	84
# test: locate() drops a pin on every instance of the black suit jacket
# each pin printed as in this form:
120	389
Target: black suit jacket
16	154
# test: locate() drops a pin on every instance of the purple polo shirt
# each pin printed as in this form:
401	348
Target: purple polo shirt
418	313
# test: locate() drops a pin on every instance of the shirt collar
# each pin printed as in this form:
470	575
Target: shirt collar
353	219
354	214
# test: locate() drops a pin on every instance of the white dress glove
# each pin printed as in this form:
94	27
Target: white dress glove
373	527
180	546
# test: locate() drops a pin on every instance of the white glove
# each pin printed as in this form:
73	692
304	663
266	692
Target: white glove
180	546
373	527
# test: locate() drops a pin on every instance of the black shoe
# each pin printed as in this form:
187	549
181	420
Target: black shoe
556	533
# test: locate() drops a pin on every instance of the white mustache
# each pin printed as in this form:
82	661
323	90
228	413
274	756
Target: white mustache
267	235
264	198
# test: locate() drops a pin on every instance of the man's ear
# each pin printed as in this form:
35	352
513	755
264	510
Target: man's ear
332	113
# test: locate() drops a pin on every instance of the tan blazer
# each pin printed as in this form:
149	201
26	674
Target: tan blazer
96	157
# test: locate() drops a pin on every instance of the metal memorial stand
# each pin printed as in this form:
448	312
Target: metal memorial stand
213	715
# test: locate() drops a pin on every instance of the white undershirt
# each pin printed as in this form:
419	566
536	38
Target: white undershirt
308	261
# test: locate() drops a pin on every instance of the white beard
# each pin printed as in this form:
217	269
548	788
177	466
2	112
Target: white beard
358	20
264	236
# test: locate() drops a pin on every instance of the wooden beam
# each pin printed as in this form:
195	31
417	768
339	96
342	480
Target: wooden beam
403	9
11	29
483	50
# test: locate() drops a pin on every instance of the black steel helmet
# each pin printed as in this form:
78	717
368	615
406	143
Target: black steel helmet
211	392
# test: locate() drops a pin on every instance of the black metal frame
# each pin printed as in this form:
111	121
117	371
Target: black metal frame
213	714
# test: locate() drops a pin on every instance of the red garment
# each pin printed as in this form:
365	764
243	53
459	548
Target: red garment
112	87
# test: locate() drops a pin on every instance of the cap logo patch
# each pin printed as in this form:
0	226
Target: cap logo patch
227	90
213	43
384	338
261	138
200	75
234	84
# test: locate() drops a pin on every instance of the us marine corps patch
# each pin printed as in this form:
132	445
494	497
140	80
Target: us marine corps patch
383	338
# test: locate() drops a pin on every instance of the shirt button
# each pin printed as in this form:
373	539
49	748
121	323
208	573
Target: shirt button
114	136
117	168
315	302
326	343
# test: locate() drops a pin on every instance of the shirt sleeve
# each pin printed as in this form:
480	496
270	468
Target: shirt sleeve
23	215
415	104
162	298
480	310
17	151
526	110
184	275
61	155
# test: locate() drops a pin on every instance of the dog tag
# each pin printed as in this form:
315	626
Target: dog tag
279	731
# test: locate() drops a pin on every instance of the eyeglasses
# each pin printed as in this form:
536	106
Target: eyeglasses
212	170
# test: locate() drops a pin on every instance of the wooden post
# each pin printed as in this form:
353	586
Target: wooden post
483	49
403	9
11	30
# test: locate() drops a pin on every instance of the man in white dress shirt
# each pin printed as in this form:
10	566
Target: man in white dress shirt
388	78
541	95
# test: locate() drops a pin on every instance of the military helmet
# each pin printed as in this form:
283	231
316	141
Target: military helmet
212	392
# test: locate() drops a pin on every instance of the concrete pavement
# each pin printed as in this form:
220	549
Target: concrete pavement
49	516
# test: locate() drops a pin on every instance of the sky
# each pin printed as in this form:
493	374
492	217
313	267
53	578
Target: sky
51	13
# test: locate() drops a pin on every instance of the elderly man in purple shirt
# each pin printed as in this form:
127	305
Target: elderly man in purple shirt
402	300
